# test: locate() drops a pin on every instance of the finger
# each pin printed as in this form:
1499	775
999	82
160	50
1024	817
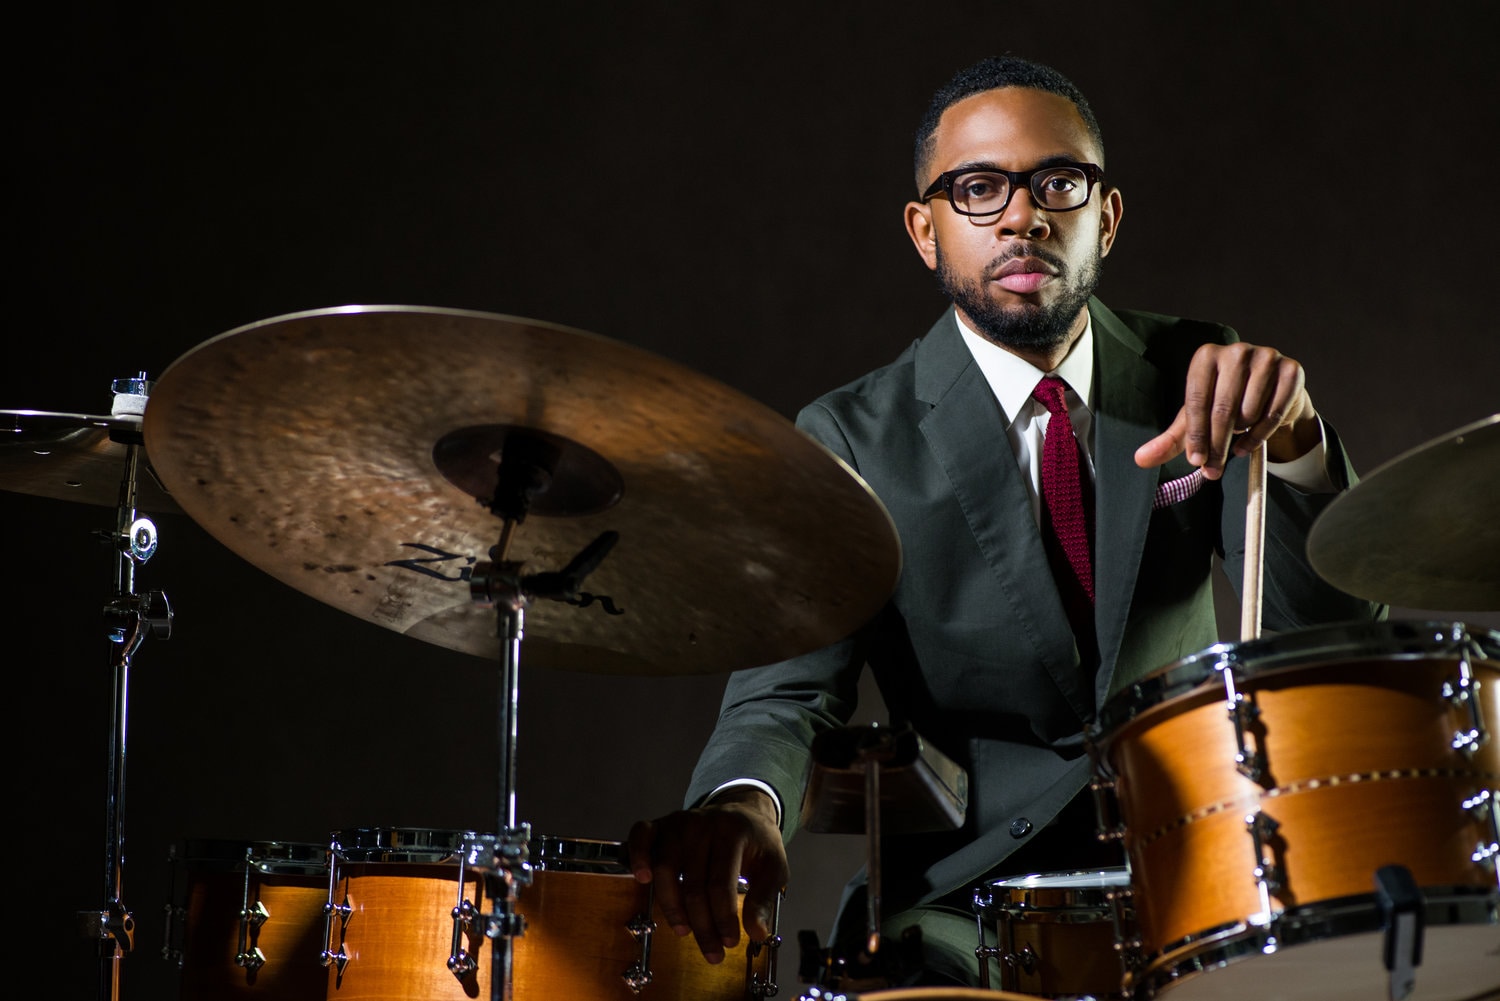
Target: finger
760	902
1198	400
1226	412
1165	446
666	864
695	885
724	893
1278	386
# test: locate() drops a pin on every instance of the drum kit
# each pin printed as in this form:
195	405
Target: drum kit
1312	815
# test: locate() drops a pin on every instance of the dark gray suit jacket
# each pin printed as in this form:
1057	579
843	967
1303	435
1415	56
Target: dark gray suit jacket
974	649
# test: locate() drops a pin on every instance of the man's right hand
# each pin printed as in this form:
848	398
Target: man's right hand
695	859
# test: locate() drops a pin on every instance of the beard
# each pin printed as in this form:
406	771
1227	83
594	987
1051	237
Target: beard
1025	326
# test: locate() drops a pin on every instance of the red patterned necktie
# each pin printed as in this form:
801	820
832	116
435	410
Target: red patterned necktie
1064	512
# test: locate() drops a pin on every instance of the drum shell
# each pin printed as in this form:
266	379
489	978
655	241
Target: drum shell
575	944
1056	932
289	880
395	890
1360	772
578	909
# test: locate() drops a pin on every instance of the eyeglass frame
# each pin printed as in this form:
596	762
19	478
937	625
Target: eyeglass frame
1093	175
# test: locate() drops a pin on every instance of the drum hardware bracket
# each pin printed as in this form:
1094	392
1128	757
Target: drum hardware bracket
1262	826
252	917
460	962
1243	713
767	986
1110	827
329	957
1402	909
1485	806
1120	912
1465	692
113	926
641	928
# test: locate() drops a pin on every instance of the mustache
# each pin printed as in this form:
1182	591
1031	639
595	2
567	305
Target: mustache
1027	250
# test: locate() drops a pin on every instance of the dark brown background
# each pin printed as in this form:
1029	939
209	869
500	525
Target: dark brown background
719	184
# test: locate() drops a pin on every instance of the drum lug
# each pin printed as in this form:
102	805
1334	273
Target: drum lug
641	928
758	986
332	911
1109	826
1484	807
1249	763
460	963
1262	826
250	957
1464	693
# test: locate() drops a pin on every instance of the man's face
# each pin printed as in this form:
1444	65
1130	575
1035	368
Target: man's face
1021	278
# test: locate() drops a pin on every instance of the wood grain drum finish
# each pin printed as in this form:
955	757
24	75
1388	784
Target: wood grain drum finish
1261	786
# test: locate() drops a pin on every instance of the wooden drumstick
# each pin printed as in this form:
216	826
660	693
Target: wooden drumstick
1255	534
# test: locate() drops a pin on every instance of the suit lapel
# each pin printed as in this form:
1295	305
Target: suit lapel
967	435
1126	416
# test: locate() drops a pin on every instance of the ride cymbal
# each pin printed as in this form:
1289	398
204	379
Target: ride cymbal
76	457
350	453
1423	530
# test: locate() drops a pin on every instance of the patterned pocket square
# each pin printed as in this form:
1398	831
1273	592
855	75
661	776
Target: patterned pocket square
1180	489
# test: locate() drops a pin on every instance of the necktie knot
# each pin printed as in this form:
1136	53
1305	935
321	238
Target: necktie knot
1049	393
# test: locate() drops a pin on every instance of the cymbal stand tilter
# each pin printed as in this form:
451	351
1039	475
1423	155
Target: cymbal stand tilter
525	471
129	618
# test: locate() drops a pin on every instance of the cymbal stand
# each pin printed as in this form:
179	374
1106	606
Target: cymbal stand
129	618
524	472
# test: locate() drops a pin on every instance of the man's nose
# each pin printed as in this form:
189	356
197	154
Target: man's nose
1024	217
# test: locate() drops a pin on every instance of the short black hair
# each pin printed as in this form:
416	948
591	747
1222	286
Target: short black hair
993	73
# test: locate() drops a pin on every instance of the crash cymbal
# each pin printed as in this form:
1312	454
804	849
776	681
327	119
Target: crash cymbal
347	452
76	457
1423	530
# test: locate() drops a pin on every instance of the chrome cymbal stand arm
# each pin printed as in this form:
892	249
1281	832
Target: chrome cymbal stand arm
129	618
525	472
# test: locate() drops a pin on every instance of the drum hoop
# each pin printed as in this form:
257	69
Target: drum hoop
227	854
1299	649
1328	919
577	855
1111	876
399	844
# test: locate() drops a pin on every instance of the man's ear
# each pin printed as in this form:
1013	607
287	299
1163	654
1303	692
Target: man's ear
923	236
1112	208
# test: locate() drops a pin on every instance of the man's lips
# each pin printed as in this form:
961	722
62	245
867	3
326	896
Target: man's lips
1024	275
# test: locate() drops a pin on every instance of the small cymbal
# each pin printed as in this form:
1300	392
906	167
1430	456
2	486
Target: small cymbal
1423	530
76	457
351	453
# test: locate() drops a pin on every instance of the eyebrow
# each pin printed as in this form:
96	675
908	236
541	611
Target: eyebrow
1055	160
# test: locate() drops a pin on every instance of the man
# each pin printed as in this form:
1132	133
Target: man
1009	629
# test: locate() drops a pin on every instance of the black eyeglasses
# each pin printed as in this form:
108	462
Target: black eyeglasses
986	191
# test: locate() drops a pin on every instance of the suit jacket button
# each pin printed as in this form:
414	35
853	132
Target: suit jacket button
1020	827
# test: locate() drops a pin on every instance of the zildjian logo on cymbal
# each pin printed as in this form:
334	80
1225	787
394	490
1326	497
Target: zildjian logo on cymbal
582	599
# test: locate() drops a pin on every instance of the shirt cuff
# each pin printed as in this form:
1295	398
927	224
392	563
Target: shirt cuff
754	783
1308	473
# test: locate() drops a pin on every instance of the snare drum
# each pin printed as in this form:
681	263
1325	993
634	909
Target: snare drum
1055	933
405	917
252	914
592	932
1260	787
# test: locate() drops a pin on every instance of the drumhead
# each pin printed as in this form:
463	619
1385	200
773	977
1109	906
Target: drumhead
1342	642
399	844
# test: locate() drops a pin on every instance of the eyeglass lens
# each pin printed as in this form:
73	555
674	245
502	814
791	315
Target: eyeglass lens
982	192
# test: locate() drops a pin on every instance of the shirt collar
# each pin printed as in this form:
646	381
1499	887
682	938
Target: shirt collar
1012	378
